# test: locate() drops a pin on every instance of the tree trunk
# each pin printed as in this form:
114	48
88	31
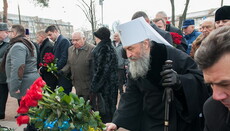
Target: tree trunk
5	10
183	17
89	11
173	12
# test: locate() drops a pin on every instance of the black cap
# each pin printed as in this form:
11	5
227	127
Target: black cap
223	13
102	33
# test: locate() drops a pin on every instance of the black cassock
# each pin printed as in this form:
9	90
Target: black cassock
141	108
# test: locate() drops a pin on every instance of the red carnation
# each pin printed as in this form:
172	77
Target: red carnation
40	82
22	108
176	38
23	120
35	94
45	65
31	102
168	22
48	58
40	64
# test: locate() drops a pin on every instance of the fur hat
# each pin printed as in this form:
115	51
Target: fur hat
3	27
223	13
102	33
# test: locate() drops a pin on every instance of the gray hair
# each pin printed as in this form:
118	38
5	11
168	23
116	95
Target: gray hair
82	35
213	47
162	14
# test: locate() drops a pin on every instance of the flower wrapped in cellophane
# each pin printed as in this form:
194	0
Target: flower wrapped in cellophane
48	110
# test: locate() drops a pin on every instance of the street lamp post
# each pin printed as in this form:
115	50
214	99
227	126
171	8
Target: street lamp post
101	3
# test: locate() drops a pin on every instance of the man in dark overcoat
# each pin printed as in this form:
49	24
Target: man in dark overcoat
45	46
61	45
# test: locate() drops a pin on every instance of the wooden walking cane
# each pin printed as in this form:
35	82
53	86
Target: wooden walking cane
167	97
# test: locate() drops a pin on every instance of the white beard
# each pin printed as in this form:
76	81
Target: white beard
140	67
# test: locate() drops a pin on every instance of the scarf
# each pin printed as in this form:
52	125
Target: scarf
22	39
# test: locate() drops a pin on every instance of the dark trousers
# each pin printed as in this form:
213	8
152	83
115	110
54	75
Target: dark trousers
3	98
50	79
66	83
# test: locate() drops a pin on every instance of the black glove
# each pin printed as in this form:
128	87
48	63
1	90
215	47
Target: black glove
170	78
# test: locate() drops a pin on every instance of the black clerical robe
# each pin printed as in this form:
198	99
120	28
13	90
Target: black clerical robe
141	108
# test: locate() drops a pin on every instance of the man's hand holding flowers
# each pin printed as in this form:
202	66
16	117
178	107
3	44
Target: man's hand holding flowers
49	64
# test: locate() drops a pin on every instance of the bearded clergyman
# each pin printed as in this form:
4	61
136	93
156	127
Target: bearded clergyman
142	106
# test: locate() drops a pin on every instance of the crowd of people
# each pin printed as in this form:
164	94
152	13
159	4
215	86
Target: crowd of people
169	86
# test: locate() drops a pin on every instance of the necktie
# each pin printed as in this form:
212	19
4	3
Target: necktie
76	51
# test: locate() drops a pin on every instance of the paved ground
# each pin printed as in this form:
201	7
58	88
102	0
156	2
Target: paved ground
9	121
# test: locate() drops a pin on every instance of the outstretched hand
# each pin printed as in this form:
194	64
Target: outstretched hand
110	127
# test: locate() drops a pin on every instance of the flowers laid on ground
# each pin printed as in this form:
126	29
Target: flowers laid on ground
57	110
176	38
50	62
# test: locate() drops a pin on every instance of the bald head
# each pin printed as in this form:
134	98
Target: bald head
78	39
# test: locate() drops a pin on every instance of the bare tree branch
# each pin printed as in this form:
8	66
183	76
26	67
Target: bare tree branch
173	12
89	11
5	11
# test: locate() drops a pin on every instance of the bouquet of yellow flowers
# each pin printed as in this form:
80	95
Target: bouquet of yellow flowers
49	110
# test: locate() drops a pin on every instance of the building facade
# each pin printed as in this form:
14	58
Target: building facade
35	24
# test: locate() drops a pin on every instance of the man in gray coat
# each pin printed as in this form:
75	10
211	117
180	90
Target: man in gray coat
121	61
78	63
3	85
20	63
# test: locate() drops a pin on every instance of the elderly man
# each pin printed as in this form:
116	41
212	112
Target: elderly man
79	62
206	27
213	57
222	16
170	28
3	85
122	63
166	35
190	33
141	107
160	23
